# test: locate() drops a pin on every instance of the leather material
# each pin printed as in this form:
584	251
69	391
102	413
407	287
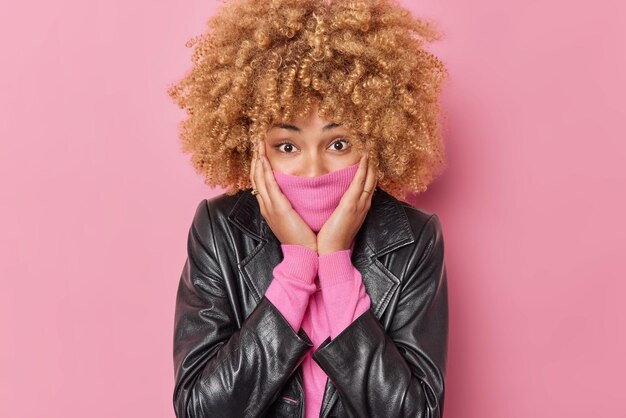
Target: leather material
235	355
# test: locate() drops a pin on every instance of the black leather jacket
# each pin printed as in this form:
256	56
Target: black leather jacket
235	355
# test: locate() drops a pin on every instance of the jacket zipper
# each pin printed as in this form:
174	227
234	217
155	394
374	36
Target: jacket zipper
290	400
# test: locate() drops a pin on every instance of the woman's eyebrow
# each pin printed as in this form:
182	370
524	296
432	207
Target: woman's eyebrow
295	128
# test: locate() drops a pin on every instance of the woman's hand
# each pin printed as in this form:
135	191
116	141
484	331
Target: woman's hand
284	221
344	223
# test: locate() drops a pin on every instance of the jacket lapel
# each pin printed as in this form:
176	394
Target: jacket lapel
384	229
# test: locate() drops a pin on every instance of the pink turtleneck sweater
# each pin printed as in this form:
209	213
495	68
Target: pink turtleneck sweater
341	297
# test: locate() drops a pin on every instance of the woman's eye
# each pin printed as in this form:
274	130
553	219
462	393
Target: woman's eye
342	147
288	147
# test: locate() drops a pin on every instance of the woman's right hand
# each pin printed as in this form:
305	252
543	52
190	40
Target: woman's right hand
284	221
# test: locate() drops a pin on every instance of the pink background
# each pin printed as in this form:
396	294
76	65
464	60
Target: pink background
96	201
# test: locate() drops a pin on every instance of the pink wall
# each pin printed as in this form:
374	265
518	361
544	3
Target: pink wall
96	201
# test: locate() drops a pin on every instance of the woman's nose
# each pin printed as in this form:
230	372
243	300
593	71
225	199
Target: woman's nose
314	168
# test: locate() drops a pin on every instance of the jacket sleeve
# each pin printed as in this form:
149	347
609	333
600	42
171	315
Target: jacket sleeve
399	372
220	369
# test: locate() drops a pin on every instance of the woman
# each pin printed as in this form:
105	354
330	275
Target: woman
311	288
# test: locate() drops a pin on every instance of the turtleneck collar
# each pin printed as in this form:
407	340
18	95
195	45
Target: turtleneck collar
315	198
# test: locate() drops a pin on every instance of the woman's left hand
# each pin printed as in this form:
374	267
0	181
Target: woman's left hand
344	223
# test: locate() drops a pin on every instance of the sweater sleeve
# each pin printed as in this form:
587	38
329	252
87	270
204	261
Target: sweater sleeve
293	283
343	292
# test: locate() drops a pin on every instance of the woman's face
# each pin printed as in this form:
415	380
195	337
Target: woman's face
309	147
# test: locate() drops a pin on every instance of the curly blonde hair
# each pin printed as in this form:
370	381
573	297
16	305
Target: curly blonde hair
266	60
